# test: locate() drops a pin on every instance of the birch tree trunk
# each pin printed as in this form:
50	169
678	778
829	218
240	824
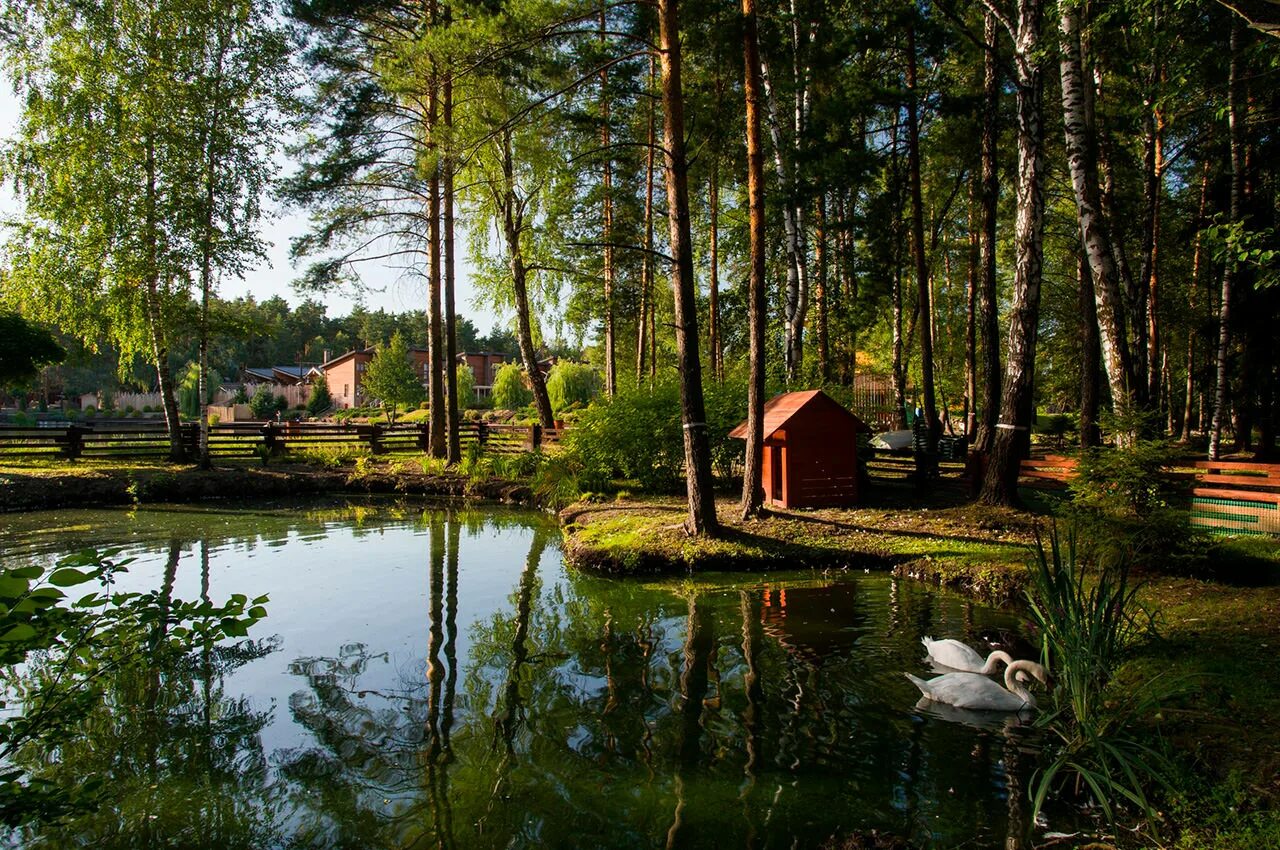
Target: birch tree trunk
610	346
697	444
1001	483
1089	433
1081	150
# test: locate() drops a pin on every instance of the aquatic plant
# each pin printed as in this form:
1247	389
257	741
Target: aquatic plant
1090	618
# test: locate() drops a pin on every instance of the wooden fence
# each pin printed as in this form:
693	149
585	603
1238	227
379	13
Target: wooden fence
252	439
1235	497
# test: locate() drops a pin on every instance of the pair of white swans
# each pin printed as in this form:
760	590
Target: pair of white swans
971	688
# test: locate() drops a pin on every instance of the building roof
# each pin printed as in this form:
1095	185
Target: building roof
780	409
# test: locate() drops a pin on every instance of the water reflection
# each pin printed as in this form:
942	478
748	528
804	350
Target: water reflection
454	686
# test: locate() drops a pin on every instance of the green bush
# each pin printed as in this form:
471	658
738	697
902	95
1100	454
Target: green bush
90	411
466	381
1127	503
637	435
241	396
509	390
264	403
320	400
570	385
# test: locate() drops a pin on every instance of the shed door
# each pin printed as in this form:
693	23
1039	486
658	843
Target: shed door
775	473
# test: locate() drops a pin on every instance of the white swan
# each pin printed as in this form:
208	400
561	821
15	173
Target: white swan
958	656
973	690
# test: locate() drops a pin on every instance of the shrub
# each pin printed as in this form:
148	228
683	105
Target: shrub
264	403
90	411
390	377
571	384
509	390
466	381
320	400
240	397
637	435
1126	501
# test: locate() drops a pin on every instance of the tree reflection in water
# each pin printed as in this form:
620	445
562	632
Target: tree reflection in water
572	711
182	759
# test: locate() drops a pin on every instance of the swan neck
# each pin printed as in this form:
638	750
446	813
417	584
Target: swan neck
1016	687
995	659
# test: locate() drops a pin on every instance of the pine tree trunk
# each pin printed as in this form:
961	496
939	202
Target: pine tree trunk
971	321
924	302
455	404
752	487
1235	123
438	446
1000	486
1095	236
713	299
610	344
821	289
988	324
643	330
697	444
513	225
1195	315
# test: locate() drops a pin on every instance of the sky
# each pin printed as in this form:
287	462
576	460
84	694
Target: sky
387	287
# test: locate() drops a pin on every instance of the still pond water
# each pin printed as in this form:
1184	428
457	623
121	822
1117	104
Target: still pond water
436	677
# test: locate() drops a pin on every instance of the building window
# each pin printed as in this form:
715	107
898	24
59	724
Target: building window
346	390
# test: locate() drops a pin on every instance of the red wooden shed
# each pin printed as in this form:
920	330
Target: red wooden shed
810	451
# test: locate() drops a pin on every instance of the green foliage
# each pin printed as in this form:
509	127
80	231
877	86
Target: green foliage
509	390
466	384
264	403
390	377
70	641
571	385
1127	501
320	400
637	435
189	392
1089	621
241	396
330	456
24	348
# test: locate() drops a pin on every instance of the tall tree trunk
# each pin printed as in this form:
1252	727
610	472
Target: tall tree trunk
697	443
1152	263
643	331
713	301
988	324
435	332
454	448
513	224
752	488
820	291
207	237
152	298
1235	123
923	300
971	320
1081	148
610	344
1089	434
796	295
1001	483
1195	315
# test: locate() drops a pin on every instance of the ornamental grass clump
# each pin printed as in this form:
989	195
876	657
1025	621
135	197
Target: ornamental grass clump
1100	742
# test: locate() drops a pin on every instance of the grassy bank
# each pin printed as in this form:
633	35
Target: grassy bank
59	484
978	551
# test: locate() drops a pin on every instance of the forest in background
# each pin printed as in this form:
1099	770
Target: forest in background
1007	206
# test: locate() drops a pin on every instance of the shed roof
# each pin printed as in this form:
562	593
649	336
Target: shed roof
783	407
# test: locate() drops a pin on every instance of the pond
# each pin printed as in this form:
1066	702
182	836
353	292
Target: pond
436	676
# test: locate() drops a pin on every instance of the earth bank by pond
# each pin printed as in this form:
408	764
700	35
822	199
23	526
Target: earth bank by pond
435	674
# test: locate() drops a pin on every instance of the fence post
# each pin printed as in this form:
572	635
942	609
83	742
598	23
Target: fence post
270	439
482	433
375	434
535	437
424	436
75	441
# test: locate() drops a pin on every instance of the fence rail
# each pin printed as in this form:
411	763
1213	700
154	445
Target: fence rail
251	439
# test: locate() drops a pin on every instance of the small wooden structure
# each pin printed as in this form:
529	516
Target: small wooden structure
810	451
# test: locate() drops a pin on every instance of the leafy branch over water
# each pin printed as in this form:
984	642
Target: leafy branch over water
58	651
